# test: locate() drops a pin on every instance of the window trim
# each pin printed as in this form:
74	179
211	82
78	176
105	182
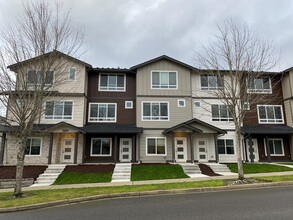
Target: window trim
282	144
160	116
229	119
269	122
101	155
41	144
258	91
107	90
184	105
101	103
72	114
131	103
37	70
160	71
210	88
69	74
156	155
225	139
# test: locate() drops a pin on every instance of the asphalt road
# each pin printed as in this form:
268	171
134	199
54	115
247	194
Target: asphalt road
264	203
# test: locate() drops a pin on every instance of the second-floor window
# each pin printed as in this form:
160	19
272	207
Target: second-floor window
152	111
58	109
260	85
164	79
270	114
112	82
102	112
72	73
35	77
221	113
211	82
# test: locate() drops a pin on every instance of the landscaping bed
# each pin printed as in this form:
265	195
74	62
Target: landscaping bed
259	168
8	172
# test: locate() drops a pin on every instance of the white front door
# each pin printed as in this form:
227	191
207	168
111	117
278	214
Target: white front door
202	150
255	150
125	149
67	150
180	149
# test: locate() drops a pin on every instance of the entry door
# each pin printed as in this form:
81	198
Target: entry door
125	149
202	150
255	150
180	148
67	150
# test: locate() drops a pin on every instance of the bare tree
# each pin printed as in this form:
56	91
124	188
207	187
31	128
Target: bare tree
237	57
39	40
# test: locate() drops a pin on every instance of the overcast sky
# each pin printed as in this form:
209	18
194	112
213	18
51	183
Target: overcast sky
127	32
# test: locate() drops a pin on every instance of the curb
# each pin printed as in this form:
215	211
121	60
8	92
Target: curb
144	193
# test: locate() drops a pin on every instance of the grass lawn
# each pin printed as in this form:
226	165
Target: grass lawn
259	168
157	172
79	177
275	178
39	196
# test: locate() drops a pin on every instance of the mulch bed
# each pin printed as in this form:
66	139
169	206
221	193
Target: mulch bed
206	170
90	168
8	172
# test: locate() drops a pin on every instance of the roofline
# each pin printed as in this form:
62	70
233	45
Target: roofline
182	125
112	70
214	70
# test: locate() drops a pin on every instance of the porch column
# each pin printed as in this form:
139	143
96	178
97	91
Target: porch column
191	148
50	148
133	149
216	147
268	149
3	141
138	147
250	149
115	149
173	148
75	148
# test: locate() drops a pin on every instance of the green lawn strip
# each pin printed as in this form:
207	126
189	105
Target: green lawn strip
157	172
79	177
275	178
40	196
286	163
259	168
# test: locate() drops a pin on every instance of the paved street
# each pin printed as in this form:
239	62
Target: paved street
270	203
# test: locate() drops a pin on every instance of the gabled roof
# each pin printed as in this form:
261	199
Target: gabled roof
48	54
163	57
62	123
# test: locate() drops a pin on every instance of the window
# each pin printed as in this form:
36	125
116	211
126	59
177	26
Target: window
260	85
155	111
37	78
101	147
211	82
221	113
276	147
270	114
129	104
72	74
112	82
225	146
197	103
246	106
181	102
58	109
33	146
156	146
102	112
164	79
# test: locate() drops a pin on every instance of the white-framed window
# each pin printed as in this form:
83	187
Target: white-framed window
129	104
270	114
102	112
58	109
211	82
225	146
33	146
155	111
101	147
276	147
164	79
220	112
181	103
260	85
112	82
36	77
72	73
246	106
156	146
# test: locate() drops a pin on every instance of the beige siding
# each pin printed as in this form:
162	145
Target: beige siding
287	85
288	107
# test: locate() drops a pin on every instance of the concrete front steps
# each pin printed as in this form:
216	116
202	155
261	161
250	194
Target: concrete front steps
50	175
122	172
191	170
221	169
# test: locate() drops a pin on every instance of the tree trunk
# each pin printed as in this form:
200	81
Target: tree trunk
239	155
19	168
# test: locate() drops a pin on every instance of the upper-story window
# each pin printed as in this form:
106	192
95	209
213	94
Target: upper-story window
36	77
270	114
211	82
112	82
72	73
102	112
164	80
221	113
153	111
260	85
58	109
